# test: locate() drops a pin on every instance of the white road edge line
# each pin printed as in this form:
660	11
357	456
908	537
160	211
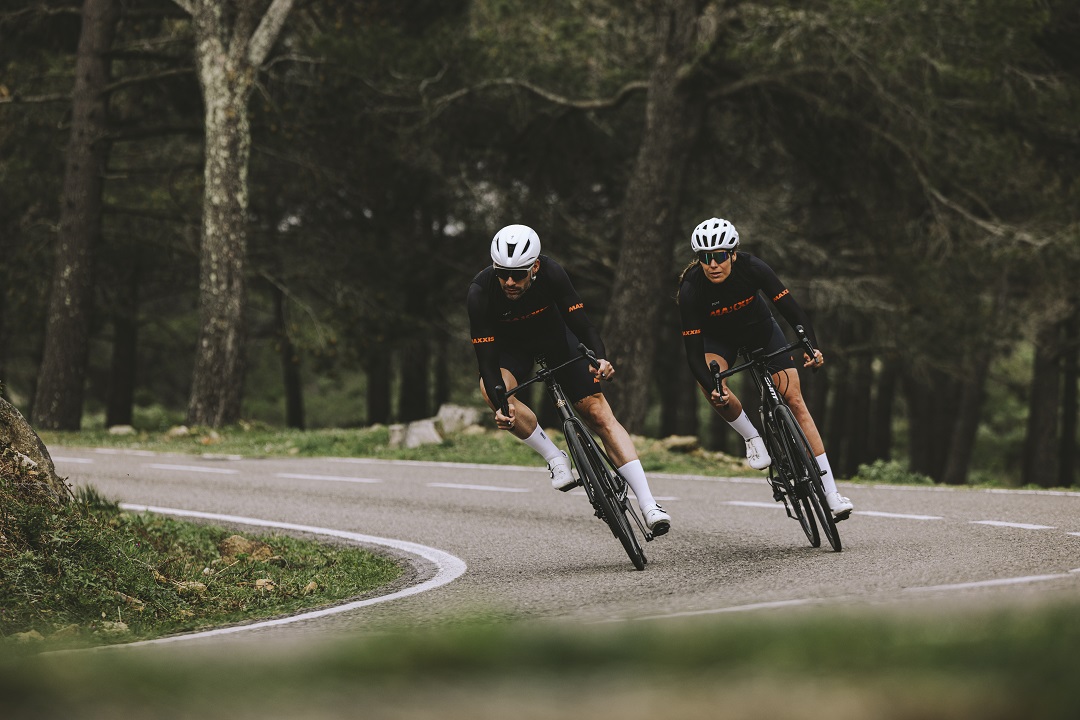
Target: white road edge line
449	568
1022	526
487	488
192	468
332	478
717	611
818	601
992	583
902	516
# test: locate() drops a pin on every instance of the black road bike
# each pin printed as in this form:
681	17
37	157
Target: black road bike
794	474
604	486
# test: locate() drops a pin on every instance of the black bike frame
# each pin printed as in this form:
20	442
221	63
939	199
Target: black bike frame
757	363
567	414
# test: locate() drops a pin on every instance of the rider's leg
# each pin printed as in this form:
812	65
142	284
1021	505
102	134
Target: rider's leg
787	382
528	430
732	411
597	414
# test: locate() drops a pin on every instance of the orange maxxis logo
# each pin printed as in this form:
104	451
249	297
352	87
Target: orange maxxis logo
534	313
478	341
732	308
572	308
687	333
780	295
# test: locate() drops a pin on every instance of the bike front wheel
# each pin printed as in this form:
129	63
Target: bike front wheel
604	488
786	473
810	476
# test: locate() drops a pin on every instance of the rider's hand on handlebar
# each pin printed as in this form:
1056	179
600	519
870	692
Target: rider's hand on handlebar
605	371
817	361
504	422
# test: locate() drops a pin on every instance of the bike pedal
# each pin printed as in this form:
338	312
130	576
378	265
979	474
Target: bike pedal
842	516
571	486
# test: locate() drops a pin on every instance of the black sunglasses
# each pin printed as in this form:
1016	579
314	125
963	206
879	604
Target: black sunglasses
518	274
707	256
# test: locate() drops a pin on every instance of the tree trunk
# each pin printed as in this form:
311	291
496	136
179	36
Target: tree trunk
931	402
1071	351
673	117
377	368
290	364
3	344
125	321
859	413
678	389
62	377
962	444
414	358
229	49
442	372
881	436
1041	438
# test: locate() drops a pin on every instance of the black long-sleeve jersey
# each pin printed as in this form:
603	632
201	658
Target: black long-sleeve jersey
730	309
536	322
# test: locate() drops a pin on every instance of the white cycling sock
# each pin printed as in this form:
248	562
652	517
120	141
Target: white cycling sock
744	427
827	480
541	443
635	478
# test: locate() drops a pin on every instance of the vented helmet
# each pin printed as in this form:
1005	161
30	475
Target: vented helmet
714	234
515	246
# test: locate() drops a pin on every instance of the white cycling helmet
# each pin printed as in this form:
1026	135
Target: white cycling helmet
714	234
515	246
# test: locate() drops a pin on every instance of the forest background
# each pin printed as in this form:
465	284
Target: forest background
270	210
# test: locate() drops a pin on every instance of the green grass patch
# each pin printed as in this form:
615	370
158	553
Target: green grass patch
474	445
86	573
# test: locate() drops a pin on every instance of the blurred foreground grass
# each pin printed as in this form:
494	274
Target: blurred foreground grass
986	664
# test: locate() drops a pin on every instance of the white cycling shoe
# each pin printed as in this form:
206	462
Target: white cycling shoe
658	521
756	454
562	477
840	506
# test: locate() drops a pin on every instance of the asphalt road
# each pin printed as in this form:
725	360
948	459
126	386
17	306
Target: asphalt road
530	552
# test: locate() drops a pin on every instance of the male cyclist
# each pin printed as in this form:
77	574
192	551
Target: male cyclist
524	305
722	305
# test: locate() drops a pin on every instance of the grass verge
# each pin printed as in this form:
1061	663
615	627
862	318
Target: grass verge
86	573
473	445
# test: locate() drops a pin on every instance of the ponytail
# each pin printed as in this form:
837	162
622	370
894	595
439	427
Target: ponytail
682	276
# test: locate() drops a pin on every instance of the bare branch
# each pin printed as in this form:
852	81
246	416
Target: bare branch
43	9
266	34
138	79
16	98
591	104
187	5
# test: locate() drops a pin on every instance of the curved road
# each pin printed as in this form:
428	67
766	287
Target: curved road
534	553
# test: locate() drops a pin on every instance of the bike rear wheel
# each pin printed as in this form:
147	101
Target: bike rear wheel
785	474
809	473
605	489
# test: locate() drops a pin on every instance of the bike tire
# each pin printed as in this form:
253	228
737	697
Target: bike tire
784	461
600	486
809	468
